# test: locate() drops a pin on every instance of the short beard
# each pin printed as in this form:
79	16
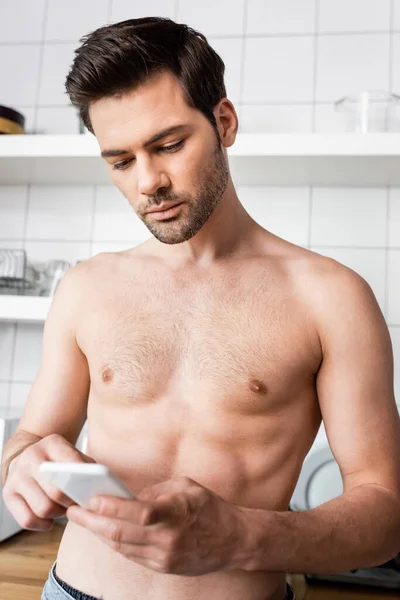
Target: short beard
214	180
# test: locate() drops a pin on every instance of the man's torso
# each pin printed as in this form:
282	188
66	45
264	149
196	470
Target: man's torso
208	373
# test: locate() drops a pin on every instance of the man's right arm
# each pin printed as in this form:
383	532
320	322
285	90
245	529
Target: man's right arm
57	401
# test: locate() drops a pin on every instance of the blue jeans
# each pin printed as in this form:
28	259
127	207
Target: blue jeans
56	589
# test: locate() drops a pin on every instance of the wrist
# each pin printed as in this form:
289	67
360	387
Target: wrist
254	524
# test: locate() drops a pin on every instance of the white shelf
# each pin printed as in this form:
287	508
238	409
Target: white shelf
24	308
255	159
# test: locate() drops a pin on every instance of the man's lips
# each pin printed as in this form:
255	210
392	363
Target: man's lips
164	212
162	207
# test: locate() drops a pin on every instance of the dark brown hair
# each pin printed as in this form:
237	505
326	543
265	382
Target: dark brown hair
117	58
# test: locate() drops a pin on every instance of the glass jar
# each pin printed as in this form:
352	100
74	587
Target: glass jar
371	111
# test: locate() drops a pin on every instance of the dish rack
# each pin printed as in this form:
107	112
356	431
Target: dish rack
14	272
19	277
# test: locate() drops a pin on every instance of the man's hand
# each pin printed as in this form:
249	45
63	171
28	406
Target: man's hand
177	526
34	503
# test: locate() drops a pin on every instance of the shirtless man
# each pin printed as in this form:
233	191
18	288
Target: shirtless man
204	360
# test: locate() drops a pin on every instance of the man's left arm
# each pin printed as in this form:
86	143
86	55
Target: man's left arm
360	528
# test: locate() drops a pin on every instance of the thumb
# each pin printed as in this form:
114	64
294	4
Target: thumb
170	507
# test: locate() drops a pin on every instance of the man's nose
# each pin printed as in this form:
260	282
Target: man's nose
150	178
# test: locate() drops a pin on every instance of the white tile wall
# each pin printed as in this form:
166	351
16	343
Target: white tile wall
14	244
19	394
330	120
286	16
60	212
4	391
396	64
122	10
280	75
349	217
354	15
67	21
394	222
69	251
98	247
114	218
393	315
30	116
19	71
213	17
59	119
395	337
13	205
22	20
28	347
278	69
57	60
6	350
351	63
396	17
231	51
271	118
271	206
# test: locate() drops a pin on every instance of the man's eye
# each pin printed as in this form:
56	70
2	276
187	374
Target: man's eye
172	148
120	166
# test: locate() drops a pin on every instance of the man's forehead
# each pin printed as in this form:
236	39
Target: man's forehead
138	118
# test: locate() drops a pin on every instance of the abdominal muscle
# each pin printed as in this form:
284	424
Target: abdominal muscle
258	473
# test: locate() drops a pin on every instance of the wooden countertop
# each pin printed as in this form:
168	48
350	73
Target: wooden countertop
26	558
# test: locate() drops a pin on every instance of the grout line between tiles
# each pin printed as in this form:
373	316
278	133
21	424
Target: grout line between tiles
388	194
229	36
12	367
93	216
109	11
26	214
391	46
243	56
40	69
315	67
310	209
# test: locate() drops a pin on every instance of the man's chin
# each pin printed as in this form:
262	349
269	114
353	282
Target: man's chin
166	235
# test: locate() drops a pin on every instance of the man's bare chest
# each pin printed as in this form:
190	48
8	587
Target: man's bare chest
243	344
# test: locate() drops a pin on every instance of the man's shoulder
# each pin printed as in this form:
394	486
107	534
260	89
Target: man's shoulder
320	273
110	261
325	285
329	276
334	292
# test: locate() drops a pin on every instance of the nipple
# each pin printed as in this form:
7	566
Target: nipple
107	375
258	386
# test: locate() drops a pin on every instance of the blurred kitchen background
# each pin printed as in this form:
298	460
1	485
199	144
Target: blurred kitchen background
287	62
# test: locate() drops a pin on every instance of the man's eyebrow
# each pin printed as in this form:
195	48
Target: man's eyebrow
155	138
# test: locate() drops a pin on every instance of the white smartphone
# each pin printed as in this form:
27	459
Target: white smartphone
82	481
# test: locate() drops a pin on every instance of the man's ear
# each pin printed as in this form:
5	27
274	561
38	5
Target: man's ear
227	122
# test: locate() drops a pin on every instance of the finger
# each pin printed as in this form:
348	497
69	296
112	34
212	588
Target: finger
59	449
54	493
26	517
134	511
144	513
114	530
38	501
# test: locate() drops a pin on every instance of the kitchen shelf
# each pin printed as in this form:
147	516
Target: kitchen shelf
255	159
24	308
